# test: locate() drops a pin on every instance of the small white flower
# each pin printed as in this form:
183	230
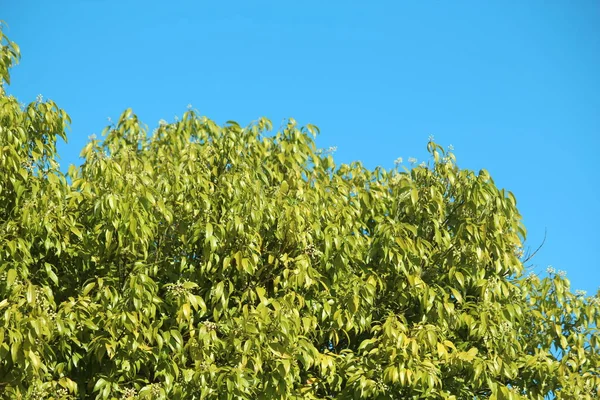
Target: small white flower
450	148
92	136
162	122
189	106
550	270
39	98
109	119
398	161
332	149
580	293
129	393
431	138
518	251
423	164
176	118
412	160
562	274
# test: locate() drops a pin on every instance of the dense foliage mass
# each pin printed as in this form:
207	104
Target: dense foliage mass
218	262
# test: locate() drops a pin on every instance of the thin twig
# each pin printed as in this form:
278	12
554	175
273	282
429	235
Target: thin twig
538	249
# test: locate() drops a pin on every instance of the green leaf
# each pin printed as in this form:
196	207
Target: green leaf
414	196
186	310
88	288
460	278
218	293
77	232
14	351
31	294
51	273
456	295
177	336
100	383
11	275
35	360
284	187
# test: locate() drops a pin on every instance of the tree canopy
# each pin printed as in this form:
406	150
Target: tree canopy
198	261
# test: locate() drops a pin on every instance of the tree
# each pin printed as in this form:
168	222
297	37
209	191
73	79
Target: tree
206	261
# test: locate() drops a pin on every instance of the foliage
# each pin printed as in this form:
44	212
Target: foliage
206	261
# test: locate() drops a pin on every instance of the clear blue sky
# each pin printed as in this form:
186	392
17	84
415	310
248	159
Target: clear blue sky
514	86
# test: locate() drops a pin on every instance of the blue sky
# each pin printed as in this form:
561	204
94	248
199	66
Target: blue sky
513	86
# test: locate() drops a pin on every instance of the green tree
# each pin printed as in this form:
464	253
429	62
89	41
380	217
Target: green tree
200	261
